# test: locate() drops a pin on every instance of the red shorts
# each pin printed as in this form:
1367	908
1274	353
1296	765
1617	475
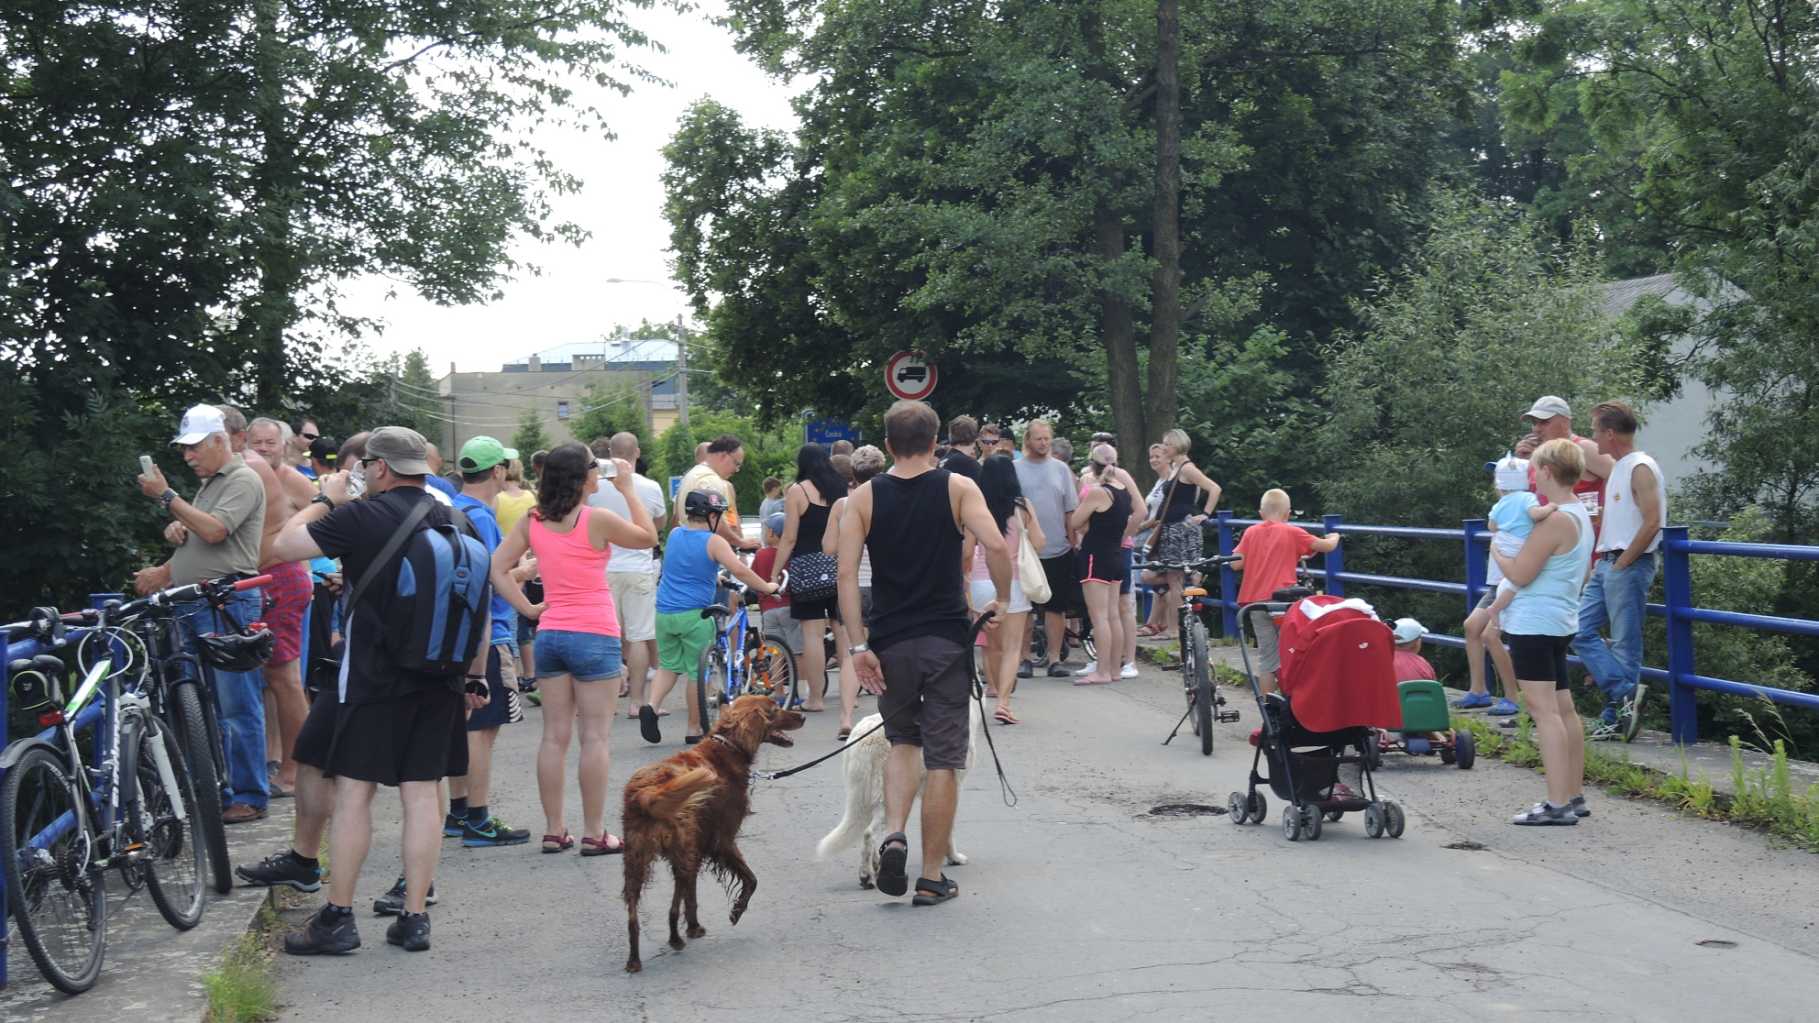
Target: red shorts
287	596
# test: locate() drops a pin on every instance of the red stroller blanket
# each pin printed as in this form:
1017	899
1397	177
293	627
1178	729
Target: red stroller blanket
1338	665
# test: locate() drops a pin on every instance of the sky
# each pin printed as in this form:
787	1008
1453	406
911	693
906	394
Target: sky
621	203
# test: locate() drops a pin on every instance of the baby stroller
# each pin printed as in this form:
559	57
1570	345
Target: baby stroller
1337	685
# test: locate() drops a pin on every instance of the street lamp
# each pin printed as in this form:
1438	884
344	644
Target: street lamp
681	348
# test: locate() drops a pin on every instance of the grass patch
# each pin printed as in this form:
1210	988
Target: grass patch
1764	799
243	988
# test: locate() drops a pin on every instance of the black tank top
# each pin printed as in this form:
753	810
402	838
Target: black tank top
1182	498
917	589
811	527
1105	529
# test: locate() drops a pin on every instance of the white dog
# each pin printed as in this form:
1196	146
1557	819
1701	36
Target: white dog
864	820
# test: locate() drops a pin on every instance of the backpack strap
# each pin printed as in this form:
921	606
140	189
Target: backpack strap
387	553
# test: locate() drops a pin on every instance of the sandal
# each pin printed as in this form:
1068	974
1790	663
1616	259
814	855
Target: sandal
1005	717
934	893
893	856
558	843
608	844
1146	631
843	734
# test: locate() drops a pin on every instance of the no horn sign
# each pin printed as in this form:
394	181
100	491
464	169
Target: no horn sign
910	376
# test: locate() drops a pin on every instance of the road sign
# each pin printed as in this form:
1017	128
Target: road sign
827	431
910	376
675	487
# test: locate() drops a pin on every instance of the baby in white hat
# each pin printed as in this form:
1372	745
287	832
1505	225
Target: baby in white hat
1510	521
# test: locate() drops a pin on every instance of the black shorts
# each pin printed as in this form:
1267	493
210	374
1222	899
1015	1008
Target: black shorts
1063	573
929	673
503	707
821	609
1540	658
1108	568
421	736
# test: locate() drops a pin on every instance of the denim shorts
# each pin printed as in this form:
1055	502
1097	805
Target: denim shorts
584	656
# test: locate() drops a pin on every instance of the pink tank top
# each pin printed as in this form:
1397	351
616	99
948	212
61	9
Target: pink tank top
1013	535
574	579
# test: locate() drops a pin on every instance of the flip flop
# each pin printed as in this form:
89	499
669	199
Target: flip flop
893	856
608	844
647	724
1005	717
561	843
843	734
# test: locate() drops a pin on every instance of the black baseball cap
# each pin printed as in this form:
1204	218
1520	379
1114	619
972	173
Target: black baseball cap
324	450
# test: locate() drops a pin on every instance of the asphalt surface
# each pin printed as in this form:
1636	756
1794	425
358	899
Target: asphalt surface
1079	904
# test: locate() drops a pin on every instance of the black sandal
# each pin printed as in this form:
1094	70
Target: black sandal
934	893
893	857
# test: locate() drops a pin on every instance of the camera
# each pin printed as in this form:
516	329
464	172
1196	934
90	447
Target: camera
609	469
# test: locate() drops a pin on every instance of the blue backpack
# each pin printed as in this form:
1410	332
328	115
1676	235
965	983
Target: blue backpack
436	612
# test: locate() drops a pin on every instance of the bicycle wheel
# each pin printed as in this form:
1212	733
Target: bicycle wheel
1203	686
710	685
164	818
769	668
190	726
54	888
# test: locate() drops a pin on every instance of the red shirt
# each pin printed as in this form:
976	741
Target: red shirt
762	563
1589	490
1410	665
1271	551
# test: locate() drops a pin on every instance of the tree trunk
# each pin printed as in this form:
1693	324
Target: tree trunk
1165	299
1120	333
272	310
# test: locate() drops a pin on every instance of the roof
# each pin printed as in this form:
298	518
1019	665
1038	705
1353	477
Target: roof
1619	296
613	352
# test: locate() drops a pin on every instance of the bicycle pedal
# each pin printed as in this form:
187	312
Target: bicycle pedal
1228	716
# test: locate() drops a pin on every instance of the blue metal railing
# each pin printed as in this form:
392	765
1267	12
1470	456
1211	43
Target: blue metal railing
1677	549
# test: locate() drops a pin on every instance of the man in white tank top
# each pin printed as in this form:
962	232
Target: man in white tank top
1623	570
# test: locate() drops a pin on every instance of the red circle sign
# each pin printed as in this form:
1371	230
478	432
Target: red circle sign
910	376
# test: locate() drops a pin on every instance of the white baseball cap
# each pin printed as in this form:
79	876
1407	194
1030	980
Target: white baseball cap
1510	473
198	423
1408	630
1547	407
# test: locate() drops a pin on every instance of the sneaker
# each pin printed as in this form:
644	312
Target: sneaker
1091	666
1608	716
1629	718
1024	670
453	826
1542	814
1604	731
1473	701
392	902
284	868
1059	669
532	697
410	932
324	936
492	831
1577	805
1502	708
1128	671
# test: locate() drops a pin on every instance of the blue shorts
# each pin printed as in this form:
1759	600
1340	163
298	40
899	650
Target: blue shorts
584	656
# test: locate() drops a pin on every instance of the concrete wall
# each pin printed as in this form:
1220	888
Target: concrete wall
494	403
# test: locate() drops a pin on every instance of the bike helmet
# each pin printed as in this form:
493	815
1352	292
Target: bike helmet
701	504
237	651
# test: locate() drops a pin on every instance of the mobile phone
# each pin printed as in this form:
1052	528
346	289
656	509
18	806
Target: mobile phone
145	465
609	469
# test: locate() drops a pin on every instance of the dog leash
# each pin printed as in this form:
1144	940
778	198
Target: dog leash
978	692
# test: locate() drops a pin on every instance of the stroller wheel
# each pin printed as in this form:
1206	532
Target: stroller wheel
1335	815
1393	820
1291	823
1373	820
1310	823
1238	809
1260	808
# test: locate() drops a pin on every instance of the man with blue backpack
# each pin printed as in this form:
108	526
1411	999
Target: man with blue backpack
417	621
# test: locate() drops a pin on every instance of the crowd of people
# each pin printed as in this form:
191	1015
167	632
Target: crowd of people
598	582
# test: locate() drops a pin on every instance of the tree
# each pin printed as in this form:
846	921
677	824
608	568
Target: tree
530	437
611	407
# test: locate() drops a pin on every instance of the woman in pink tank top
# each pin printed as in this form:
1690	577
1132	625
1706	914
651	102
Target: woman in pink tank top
578	656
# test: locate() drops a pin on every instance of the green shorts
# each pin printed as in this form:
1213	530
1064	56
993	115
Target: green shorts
681	636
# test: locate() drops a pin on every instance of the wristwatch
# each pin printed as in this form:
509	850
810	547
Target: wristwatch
857	648
323	499
166	498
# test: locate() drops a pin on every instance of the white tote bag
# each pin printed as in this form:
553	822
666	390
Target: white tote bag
1029	571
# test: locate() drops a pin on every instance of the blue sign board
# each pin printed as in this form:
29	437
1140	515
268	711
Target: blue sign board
675	485
827	431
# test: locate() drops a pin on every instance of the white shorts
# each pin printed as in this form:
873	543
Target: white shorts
635	598
982	592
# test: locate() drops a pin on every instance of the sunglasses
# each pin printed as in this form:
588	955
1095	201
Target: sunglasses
309	436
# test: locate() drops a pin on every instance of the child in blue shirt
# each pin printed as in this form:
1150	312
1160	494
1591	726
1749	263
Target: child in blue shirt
1510	521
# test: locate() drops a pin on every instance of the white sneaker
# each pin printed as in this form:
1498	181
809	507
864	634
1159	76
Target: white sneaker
1128	671
1091	666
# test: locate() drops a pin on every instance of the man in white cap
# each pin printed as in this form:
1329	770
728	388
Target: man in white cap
218	533
1551	418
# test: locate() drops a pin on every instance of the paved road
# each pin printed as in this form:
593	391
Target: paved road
1080	905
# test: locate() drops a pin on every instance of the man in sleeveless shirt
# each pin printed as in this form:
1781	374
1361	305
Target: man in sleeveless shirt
1623	570
912	652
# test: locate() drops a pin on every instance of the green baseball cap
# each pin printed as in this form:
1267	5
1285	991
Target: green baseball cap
482	453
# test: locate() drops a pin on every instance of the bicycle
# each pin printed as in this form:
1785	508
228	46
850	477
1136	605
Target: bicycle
1077	630
64	824
181	686
1203	698
733	667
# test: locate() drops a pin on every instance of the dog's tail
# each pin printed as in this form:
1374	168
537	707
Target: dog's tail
852	826
669	800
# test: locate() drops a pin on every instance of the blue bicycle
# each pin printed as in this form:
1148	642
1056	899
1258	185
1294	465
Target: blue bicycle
741	661
64	823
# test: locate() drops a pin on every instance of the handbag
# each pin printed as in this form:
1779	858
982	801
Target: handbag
813	577
1029	571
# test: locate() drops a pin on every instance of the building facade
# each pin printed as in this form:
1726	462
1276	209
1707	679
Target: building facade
557	384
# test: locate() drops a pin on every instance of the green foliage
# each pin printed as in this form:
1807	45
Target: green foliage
767	452
611	407
530	437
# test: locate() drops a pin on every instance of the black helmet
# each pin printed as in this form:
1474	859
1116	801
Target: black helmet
236	651
700	504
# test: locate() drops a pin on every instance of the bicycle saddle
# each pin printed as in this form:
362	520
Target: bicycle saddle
236	651
716	611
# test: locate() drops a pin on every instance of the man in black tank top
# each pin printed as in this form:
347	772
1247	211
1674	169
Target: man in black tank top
912	652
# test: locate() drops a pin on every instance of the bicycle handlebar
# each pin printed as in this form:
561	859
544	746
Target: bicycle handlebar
1188	566
726	579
